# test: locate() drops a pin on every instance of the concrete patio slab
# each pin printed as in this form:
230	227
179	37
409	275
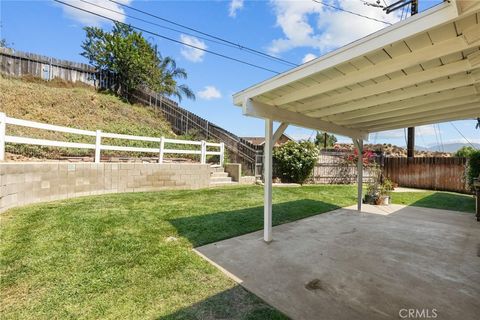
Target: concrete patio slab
373	265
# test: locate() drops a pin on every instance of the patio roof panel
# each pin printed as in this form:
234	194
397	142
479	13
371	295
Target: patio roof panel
420	58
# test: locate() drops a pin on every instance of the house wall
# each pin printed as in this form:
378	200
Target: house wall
25	183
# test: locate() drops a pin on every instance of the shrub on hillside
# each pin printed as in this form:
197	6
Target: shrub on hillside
473	167
294	161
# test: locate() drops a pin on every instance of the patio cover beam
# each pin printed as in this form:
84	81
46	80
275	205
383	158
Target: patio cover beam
262	110
422	89
398	83
444	99
278	133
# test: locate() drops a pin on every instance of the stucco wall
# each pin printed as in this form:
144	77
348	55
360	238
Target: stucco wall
24	183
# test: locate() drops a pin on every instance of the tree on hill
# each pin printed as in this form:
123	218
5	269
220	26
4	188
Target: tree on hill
133	61
320	139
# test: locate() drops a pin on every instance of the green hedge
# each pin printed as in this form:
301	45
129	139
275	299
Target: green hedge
294	161
473	167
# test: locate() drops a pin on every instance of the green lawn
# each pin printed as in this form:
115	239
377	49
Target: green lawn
128	256
437	200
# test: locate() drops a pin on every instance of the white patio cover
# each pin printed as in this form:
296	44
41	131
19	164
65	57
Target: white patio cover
423	70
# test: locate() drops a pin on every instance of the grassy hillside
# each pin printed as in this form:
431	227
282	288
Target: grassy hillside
73	105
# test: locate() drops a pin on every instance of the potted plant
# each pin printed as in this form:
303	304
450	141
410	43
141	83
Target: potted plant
384	192
378	193
373	187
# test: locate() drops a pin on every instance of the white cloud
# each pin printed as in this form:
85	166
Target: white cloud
90	19
311	24
308	57
192	54
235	5
209	93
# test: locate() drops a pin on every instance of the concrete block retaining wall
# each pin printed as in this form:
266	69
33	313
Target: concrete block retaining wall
24	183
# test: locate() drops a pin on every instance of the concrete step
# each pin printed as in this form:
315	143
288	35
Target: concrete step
218	184
216	168
220	179
219	174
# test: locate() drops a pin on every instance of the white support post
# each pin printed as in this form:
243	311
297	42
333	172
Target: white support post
222	153
3	126
162	147
98	143
203	155
267	173
359	144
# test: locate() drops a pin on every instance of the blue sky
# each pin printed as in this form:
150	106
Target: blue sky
292	30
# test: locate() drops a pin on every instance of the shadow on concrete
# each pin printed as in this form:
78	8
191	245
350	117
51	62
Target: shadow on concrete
218	226
233	304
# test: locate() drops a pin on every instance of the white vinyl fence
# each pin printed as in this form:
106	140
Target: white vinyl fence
98	147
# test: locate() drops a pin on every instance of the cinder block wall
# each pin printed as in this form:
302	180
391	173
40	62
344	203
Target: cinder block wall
24	183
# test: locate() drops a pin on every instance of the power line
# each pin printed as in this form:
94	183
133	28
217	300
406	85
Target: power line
241	47
440	135
462	135
149	22
347	11
171	39
179	31
436	136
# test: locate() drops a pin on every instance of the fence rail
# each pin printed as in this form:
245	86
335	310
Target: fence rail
203	152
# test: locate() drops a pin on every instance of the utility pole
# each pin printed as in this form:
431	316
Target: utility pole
400	4
411	130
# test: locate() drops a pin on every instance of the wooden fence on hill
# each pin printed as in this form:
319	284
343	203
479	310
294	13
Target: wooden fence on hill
17	63
446	174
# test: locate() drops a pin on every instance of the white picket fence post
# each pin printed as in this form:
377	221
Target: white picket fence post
203	159
222	153
98	143
3	117
162	147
